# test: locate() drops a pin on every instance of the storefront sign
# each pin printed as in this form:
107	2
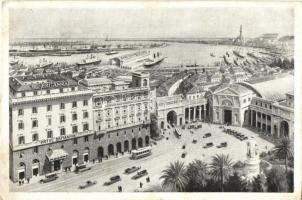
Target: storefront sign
58	139
54	84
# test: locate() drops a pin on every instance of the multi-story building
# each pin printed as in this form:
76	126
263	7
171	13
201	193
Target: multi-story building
49	121
57	122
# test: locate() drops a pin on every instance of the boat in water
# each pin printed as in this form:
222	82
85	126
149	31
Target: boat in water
92	60
236	53
111	53
156	59
250	54
14	61
226	60
44	63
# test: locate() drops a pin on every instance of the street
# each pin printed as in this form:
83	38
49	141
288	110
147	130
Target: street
163	153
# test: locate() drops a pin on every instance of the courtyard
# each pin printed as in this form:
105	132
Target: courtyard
164	152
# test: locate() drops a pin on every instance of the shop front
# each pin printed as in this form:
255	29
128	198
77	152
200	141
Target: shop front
55	158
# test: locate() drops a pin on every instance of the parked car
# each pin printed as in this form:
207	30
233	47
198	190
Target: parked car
172	125
210	144
82	168
87	184
132	169
199	126
113	179
183	127
194	141
140	174
191	126
244	138
168	126
207	135
183	155
49	178
223	144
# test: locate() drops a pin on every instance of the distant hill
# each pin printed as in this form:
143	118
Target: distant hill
286	38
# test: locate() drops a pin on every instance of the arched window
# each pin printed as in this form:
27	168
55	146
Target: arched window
145	82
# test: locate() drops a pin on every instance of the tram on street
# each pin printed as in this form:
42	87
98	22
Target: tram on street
140	153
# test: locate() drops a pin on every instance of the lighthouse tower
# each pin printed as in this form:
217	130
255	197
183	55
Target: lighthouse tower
252	164
239	40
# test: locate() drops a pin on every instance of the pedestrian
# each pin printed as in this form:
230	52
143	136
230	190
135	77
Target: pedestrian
27	180
140	184
121	189
19	182
93	161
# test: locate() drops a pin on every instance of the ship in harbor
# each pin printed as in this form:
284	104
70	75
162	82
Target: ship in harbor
111	53
156	59
226	60
92	60
236	53
14	61
250	54
44	63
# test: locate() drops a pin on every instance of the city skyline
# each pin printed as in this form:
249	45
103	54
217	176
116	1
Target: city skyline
149	23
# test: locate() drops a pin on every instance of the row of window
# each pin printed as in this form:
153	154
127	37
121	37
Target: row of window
49	107
62	120
47	92
35	137
265	105
117	123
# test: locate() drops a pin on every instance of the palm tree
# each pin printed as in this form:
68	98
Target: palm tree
197	174
174	177
284	150
221	168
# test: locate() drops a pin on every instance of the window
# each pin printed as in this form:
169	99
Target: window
20	112
34	110
49	121
21	140
270	107
48	91
74	104
116	133
249	99
108	112
61	90
35	150
35	123
62	118
62	106
85	103
74	129
85	127
49	108
75	141
86	139
85	114
35	93
74	116
23	94
20	125
35	137
49	134
62	131
72	88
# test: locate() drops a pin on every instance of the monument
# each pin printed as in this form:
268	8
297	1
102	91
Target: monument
252	164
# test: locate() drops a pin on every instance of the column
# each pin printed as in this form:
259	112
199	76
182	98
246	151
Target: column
266	124
189	114
251	111
200	112
204	112
261	121
52	165
256	120
194	113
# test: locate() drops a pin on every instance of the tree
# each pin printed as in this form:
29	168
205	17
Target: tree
221	168
290	180
276	180
235	184
258	184
154	130
284	150
196	174
174	177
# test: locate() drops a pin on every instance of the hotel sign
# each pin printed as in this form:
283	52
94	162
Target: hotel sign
58	139
54	84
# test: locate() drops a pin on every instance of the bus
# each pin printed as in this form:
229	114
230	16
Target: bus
177	133
140	153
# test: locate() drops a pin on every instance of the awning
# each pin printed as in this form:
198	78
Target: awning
56	154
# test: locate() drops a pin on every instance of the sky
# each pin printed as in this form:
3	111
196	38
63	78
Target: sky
146	22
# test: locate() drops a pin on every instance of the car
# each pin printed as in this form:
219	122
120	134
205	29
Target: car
191	126
132	169
199	126
192	132
194	141
210	144
87	184
221	127
113	179
168	126
183	155
49	178
82	168
196	127
140	174
183	127
207	135
223	144
244	138
173	125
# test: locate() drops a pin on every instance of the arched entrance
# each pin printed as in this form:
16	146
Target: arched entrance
110	149
172	117
147	140
119	147
75	157
140	142
227	116
126	146
246	121
35	167
284	129
86	155
133	143
180	121
162	125
100	152
21	171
